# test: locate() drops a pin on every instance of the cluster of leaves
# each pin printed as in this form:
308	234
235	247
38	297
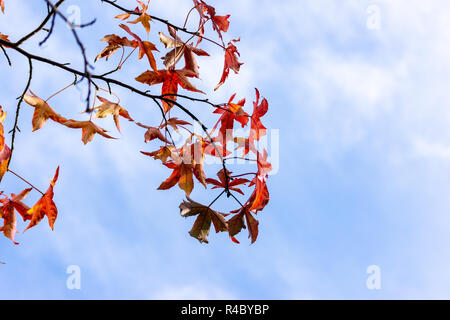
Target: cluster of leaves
186	160
10	204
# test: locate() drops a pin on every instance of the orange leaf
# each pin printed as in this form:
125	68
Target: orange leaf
45	206
145	47
88	130
5	151
42	111
108	108
144	19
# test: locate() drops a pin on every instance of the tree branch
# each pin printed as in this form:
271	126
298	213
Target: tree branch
129	87
166	22
14	129
41	26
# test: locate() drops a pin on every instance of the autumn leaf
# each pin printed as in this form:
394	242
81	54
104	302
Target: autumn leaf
260	196
42	111
2	5
220	23
143	18
181	174
88	130
180	49
4	36
5	151
257	129
185	165
213	148
237	223
108	108
197	156
235	226
19	206
229	113
8	214
244	144
152	133
252	225
162	153
45	206
175	122
231	62
123	16
145	48
170	81
202	224
9	221
221	183
114	43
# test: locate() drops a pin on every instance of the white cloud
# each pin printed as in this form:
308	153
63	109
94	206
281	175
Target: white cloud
383	93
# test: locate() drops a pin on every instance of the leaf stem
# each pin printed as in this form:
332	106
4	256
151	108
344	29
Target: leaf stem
18	176
217	198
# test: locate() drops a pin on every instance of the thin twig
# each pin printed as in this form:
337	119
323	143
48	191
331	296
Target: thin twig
217	198
41	26
6	55
18	176
13	137
197	34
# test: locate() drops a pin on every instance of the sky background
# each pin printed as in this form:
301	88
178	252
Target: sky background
363	173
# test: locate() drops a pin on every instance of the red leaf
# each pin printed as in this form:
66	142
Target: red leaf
45	206
145	47
231	62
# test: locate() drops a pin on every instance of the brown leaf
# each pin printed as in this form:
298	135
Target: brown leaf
180	49
175	122
236	224
202	224
152	133
114	43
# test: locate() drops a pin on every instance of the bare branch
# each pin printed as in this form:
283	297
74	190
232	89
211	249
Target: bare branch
41	26
166	22
14	129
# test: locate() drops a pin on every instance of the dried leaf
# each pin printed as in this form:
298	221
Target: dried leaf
88	130
45	206
108	108
202	224
42	111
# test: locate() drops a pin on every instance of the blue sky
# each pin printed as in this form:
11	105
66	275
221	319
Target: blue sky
364	161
